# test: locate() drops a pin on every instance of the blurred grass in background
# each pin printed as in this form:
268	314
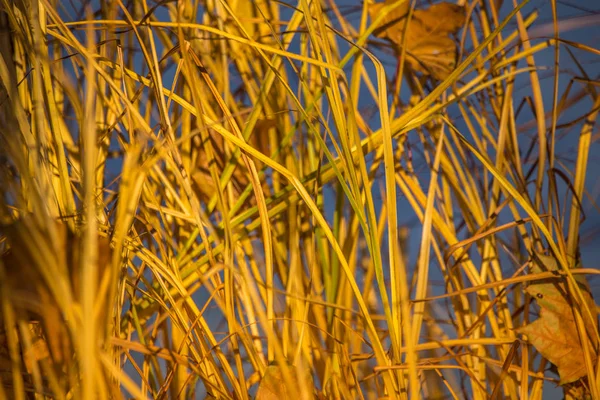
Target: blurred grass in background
324	200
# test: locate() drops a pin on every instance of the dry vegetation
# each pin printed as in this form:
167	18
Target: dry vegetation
237	199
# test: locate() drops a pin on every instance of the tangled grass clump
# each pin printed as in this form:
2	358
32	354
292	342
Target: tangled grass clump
236	199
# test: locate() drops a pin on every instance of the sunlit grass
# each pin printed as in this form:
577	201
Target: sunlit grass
199	198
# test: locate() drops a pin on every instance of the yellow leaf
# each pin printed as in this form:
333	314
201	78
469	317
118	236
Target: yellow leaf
429	47
555	333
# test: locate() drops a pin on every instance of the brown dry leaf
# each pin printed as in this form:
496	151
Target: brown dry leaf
30	291
429	47
272	385
38	350
555	334
204	183
201	177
